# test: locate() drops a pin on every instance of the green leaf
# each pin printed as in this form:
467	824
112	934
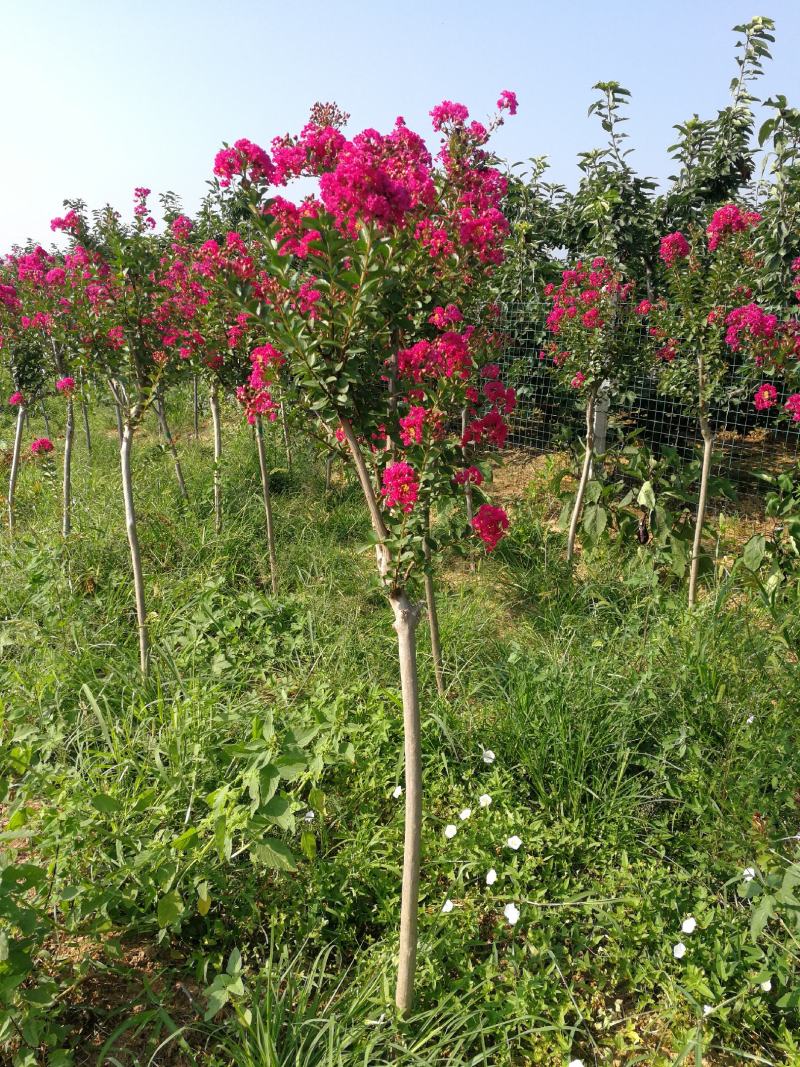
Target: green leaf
170	909
754	551
646	497
273	854
106	804
761	915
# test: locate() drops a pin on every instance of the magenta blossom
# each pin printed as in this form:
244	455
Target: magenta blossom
400	486
490	524
673	247
16	399
727	220
766	396
66	386
792	405
508	102
41	446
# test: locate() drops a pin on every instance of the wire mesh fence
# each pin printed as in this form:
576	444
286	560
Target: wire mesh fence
550	416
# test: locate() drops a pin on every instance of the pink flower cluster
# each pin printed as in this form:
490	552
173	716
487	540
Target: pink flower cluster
448	356
16	399
413	424
490	524
468	476
673	247
66	386
766	396
750	324
400	488
41	446
727	220
792	405
246	159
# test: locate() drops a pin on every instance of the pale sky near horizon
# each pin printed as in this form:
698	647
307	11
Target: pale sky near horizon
102	95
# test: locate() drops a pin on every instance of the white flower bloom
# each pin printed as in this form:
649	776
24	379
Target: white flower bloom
397	792
750	719
447	906
707	1009
514	842
679	950
450	831
491	876
465	814
308	817
575	1063
487	755
748	874
511	912
766	986
484	800
689	925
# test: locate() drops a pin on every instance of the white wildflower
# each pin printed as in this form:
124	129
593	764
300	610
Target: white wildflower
707	1009
689	925
766	986
491	876
465	814
514	842
308	817
447	906
450	831
679	950
397	792
511	912
487	755
484	800
748	874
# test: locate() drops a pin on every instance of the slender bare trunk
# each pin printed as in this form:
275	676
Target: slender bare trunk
133	543
406	618
708	448
587	466
196	408
66	498
328	471
285	425
87	433
161	415
215	419
12	478
45	418
433	617
262	464
467	485
118	413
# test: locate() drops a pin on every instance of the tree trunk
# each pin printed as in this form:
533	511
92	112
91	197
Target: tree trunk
262	463
133	543
467	485
328	471
12	478
708	448
214	402
45	418
118	413
587	465
196	408
85	415
66	498
161	415
285	425
433	618
406	617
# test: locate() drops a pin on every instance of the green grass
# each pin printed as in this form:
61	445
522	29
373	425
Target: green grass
135	816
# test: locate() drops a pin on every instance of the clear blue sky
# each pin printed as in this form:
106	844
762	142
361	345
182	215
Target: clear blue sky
104	95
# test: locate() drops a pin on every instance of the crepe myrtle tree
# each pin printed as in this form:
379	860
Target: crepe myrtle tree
708	337
24	346
593	323
346	291
132	323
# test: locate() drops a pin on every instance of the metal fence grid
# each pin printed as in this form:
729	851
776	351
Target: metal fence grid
549	416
